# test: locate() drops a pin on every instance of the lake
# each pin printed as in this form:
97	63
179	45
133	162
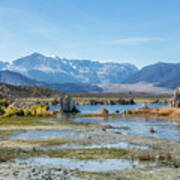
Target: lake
86	109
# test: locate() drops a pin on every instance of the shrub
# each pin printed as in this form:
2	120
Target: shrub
2	111
13	111
4	102
128	112
39	110
27	112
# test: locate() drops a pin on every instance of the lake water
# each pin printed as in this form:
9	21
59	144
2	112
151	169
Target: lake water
103	165
86	109
31	135
132	126
138	126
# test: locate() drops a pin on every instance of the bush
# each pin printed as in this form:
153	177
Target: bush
13	111
27	112
39	110
2	111
128	112
4	102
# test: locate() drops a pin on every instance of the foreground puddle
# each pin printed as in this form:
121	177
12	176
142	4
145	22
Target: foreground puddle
89	165
74	146
47	134
118	145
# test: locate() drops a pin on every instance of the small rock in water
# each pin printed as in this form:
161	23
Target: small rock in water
152	131
145	106
105	111
176	98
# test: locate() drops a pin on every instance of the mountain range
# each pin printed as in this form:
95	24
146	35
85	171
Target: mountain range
85	75
56	70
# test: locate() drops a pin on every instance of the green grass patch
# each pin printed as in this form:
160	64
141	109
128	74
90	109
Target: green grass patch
47	142
82	154
7	154
25	120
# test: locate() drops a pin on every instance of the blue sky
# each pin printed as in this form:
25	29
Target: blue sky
140	32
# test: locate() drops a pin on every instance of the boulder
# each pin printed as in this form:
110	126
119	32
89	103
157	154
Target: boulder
145	106
55	102
111	102
93	102
105	112
126	102
157	101
68	105
176	98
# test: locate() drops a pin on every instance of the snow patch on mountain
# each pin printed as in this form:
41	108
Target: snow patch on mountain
53	69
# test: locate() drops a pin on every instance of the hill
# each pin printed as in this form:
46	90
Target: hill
160	74
15	78
12	91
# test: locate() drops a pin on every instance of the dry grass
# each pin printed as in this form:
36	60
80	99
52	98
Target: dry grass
164	112
152	157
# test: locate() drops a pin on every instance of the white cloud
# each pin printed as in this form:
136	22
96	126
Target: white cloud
136	40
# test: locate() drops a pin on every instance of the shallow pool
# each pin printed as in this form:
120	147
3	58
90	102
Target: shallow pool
104	165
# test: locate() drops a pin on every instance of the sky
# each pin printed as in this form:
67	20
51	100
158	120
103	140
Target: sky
140	32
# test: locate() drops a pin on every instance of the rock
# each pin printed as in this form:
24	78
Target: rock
93	102
125	102
152	131
68	105
55	102
105	112
131	102
38	102
165	101
45	103
145	106
157	101
111	102
176	98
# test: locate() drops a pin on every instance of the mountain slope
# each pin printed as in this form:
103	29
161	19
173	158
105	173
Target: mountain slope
56	70
18	79
160	74
3	65
13	91
74	88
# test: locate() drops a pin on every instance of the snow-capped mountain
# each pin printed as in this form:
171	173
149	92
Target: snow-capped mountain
56	70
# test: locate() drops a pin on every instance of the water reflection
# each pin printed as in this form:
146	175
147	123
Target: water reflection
103	165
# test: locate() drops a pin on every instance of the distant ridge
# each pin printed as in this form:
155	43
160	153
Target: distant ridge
160	74
56	70
15	78
83	75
